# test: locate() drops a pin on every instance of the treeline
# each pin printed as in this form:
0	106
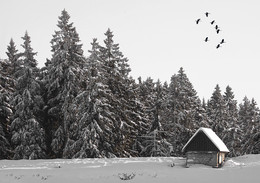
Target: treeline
90	107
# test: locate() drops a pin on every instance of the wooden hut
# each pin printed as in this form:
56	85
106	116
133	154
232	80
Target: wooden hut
205	147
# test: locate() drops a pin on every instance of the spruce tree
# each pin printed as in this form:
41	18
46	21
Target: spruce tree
13	59
88	137
154	141
157	106
125	116
6	91
249	119
146	93
232	133
183	111
8	68
217	112
63	81
232	109
28	136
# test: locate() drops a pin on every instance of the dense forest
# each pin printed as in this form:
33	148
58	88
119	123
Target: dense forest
88	106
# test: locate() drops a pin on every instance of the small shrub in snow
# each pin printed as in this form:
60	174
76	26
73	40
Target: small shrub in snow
125	176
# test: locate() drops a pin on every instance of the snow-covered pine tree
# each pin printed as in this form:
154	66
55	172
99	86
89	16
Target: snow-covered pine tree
217	112
28	136
232	134
232	110
8	68
154	142
249	119
126	117
63	82
255	133
146	94
13	59
91	131
6	91
183	111
157	106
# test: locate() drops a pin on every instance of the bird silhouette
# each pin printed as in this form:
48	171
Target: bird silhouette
222	41
217	29
197	21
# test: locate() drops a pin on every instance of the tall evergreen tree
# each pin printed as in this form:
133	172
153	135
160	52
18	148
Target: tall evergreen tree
154	142
249	120
8	68
28	136
146	94
6	91
183	110
63	81
159	97
217	112
90	132
14	61
126	119
232	134
232	110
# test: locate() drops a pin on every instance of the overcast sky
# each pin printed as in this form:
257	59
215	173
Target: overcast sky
158	36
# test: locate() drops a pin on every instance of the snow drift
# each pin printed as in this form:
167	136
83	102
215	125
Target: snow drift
240	169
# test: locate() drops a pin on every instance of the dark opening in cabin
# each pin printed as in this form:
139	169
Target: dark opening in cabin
201	143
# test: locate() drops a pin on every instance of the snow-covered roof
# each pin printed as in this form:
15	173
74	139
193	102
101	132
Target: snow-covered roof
213	137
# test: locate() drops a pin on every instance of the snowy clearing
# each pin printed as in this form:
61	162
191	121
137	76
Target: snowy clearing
240	169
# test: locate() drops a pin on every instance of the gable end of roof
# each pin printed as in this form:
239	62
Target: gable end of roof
212	136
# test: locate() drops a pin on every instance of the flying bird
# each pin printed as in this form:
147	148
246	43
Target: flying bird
212	22
218	46
206	39
222	41
216	27
207	14
218	31
197	21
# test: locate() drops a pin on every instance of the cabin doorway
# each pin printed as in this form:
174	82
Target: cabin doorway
219	158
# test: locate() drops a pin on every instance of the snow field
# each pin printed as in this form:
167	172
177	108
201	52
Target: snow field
169	169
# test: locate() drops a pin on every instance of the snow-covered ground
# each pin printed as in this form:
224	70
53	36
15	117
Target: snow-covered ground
240	170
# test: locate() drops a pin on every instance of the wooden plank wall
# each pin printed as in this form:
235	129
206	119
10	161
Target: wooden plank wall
202	157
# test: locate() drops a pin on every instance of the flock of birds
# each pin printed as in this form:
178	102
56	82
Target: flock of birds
213	23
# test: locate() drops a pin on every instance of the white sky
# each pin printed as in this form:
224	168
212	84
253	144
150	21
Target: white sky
158	36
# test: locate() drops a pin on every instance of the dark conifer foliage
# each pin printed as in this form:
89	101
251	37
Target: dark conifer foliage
232	110
90	132
6	91
28	136
217	112
126	120
232	134
63	81
8	68
13	59
183	112
154	142
157	107
249	120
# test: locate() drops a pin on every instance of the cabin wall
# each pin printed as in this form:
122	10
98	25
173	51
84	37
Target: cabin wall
202	157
